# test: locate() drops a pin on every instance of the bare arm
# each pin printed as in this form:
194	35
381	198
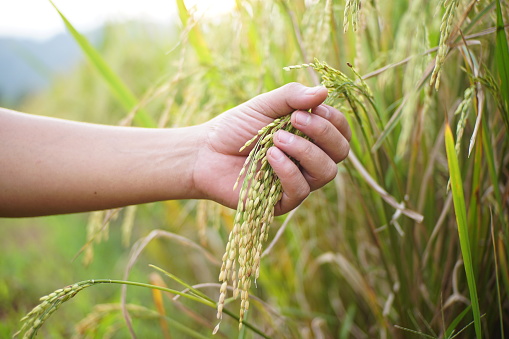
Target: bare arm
53	166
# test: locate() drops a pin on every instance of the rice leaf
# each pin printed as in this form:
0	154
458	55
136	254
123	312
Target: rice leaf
452	326
347	322
195	35
461	219
119	89
497	278
502	61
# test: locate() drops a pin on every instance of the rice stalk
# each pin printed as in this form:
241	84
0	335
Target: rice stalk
462	112
33	321
97	231
352	11
260	191
443	48
116	85
347	94
502	57
128	224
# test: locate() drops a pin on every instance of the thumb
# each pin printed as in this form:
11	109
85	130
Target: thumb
288	98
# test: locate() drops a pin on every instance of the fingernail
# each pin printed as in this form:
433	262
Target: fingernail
285	137
276	154
322	111
302	118
313	90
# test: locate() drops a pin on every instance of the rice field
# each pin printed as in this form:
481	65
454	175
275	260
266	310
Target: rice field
410	239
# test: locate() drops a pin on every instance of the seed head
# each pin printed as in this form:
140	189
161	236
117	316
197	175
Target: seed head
260	191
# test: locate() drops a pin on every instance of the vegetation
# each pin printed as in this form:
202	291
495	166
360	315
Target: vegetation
411	238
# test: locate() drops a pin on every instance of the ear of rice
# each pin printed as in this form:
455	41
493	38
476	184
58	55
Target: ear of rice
260	191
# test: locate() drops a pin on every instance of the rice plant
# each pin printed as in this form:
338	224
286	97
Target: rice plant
409	239
261	191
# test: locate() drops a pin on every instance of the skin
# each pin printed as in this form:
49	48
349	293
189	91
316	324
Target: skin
52	166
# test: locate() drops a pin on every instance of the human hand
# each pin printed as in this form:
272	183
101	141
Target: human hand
219	162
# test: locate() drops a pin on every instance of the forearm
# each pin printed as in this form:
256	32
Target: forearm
51	166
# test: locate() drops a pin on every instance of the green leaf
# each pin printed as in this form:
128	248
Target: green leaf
195	35
452	326
502	60
119	89
461	219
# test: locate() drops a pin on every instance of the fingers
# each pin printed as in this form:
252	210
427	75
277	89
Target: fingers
330	135
336	118
316	160
295	186
284	100
326	126
317	167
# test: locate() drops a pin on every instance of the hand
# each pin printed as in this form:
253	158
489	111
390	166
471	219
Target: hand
219	161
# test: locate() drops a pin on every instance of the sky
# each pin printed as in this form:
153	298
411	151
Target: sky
37	19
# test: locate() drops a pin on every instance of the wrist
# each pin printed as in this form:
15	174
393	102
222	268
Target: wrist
177	159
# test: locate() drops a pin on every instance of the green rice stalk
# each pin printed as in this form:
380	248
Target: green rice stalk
488	81
196	37
443	48
117	86
97	231
33	321
502	59
348	95
128	224
352	10
462	112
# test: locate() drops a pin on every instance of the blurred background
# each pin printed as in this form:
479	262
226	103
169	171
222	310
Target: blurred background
375	254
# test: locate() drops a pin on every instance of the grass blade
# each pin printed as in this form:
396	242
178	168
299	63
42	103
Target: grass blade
497	278
195	35
452	326
119	89
502	61
461	219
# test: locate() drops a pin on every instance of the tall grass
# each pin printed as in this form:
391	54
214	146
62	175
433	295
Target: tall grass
356	259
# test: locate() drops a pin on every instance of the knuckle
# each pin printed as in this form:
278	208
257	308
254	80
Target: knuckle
307	149
293	171
292	86
323	128
302	192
